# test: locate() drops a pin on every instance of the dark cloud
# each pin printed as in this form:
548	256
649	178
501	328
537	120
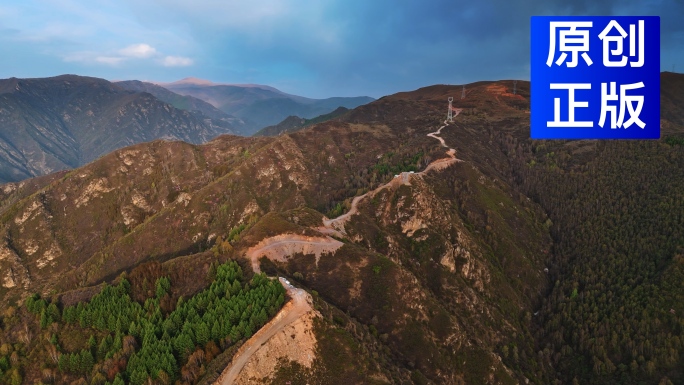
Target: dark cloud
388	46
352	47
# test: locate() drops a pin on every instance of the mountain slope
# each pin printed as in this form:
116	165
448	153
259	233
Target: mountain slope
199	197
63	122
295	123
182	102
499	260
261	106
672	102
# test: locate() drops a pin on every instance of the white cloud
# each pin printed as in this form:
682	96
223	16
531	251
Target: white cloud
177	61
90	57
132	52
139	51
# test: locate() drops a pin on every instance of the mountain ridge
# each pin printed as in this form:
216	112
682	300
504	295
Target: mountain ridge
294	123
260	107
204	82
183	102
66	121
485	270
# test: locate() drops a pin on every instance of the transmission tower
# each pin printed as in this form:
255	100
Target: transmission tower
515	85
463	92
450	115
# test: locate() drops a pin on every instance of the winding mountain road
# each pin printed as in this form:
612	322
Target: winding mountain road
278	248
338	223
297	307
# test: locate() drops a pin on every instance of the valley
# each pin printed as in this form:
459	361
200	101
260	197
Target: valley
258	105
64	122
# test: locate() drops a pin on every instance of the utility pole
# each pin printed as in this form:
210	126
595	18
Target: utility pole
463	92
450	115
515	85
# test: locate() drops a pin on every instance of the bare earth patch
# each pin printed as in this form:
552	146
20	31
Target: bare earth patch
296	342
280	247
258	357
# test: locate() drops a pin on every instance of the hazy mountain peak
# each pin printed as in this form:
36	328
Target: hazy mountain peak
257	105
195	81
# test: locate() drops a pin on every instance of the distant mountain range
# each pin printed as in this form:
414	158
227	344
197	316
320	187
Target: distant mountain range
257	105
181	102
57	123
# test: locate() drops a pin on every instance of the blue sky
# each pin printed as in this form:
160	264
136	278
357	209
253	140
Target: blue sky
312	48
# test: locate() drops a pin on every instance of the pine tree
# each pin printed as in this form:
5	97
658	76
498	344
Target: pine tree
202	334
84	319
216	331
184	345
63	363
262	317
139	376
53	313
236	333
86	361
235	288
162	287
92	342
117	344
44	319
118	380
103	347
69	315
74	362
34	303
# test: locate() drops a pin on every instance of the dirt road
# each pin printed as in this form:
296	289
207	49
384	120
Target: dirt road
280	247
338	223
297	307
